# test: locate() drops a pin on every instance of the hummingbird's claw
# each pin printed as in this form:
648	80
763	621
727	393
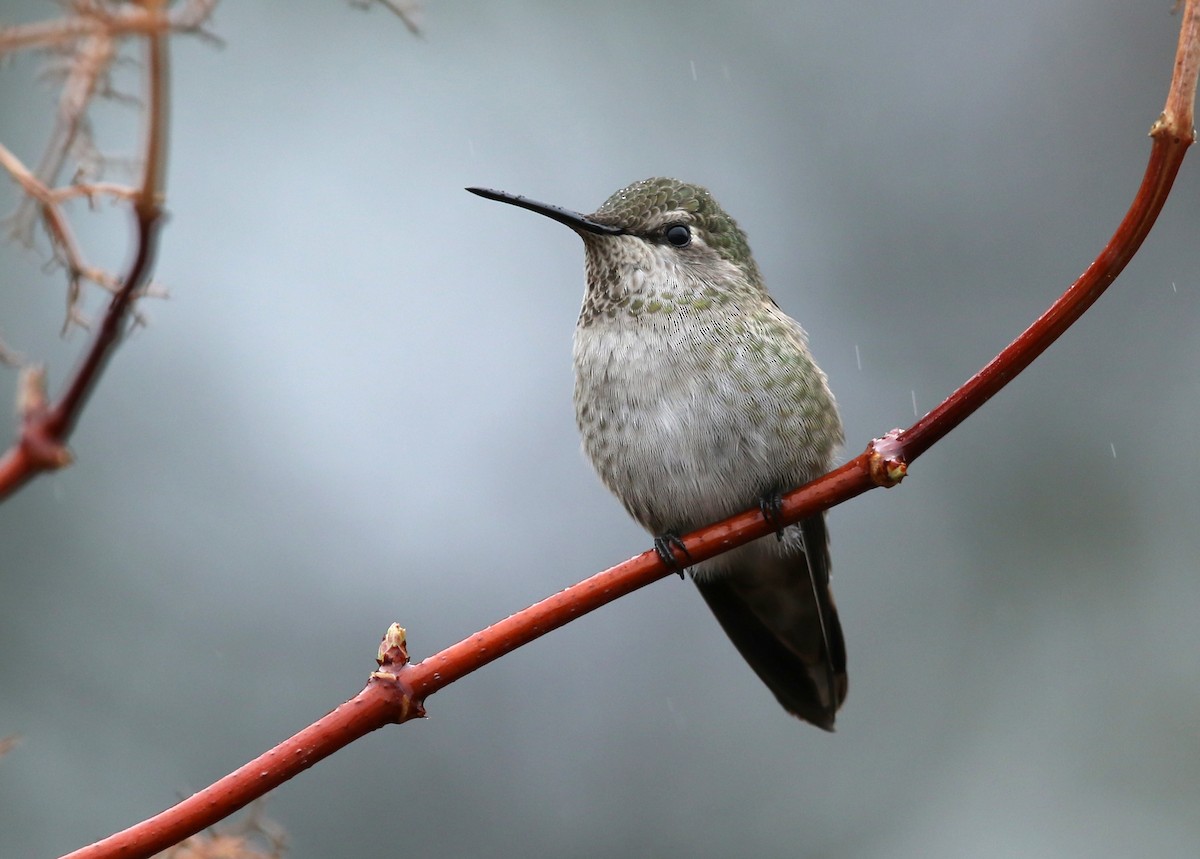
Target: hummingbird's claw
772	510
665	546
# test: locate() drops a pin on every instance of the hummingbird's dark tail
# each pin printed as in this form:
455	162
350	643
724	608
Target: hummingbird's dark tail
780	615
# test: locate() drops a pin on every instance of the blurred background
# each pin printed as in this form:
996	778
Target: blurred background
355	408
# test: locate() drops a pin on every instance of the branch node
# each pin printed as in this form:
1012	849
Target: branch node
1170	127
393	665
393	659
886	460
393	650
40	444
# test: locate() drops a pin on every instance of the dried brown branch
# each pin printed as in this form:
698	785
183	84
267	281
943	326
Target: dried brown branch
93	190
90	62
115	18
90	37
62	240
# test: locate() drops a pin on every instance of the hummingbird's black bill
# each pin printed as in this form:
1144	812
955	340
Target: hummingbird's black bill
574	220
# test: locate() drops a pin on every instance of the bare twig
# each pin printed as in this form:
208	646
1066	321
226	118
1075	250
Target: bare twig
62	239
90	35
89	64
45	427
92	190
1172	133
115	19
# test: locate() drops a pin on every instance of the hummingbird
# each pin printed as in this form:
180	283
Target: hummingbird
696	397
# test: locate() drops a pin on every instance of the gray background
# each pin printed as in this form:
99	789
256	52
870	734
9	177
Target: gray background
355	409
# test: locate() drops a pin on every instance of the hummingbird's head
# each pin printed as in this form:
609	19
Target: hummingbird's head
675	215
654	242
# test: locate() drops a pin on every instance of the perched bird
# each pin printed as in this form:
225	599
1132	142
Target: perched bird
697	398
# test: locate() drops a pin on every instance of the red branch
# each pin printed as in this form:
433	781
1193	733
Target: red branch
398	691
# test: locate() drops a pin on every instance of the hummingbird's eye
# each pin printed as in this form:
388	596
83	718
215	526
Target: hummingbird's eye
679	235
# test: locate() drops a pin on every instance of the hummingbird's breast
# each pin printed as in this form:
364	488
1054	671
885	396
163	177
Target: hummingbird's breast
696	406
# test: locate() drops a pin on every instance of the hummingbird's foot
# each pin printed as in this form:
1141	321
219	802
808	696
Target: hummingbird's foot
665	546
772	510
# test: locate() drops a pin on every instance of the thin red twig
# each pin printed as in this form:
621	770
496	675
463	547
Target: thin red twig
398	691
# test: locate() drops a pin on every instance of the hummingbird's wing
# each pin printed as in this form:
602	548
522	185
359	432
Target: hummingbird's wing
779	613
